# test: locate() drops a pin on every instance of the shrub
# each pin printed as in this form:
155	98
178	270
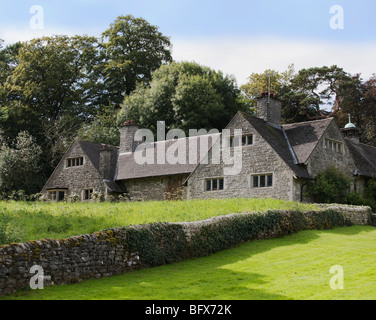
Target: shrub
330	186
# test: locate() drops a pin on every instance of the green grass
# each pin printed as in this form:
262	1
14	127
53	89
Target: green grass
25	221
291	267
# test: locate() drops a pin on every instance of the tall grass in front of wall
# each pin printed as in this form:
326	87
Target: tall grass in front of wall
23	221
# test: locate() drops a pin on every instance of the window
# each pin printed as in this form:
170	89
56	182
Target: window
244	140
88	194
56	195
334	146
262	181
214	184
75	162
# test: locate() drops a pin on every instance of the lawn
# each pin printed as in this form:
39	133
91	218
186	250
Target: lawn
292	267
24	221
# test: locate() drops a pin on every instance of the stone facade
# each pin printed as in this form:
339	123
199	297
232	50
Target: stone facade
257	158
82	172
155	188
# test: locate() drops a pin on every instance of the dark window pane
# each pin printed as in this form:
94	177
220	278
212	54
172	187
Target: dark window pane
81	161
231	142
208	185
270	180
244	140
215	184
255	182
221	184
262	181
250	140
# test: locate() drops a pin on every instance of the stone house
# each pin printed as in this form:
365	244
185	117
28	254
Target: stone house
276	161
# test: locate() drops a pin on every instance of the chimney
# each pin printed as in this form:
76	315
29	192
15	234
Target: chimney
269	108
127	132
105	159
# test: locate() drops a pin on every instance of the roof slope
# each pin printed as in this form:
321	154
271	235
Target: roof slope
364	157
277	140
129	166
304	136
92	151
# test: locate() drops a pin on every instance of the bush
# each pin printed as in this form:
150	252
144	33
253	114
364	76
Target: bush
330	186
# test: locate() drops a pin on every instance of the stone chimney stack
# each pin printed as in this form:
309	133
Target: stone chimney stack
269	108
127	132
105	159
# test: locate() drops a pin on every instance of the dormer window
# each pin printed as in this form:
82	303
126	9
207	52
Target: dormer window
74	162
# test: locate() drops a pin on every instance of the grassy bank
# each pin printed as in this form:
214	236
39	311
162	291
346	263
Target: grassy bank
291	267
23	221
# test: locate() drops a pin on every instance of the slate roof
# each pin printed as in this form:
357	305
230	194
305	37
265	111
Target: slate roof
304	136
277	140
129	168
364	157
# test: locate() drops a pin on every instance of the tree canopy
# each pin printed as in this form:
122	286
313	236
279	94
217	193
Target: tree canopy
185	95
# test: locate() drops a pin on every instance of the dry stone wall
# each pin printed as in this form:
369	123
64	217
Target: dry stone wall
120	250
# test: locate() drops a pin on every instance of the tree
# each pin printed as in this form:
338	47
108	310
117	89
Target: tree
318	93
103	129
262	82
20	165
132	50
185	95
367	121
50	91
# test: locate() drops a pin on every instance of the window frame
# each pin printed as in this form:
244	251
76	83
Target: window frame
54	194
334	146
262	180
72	162
88	193
237	141
214	184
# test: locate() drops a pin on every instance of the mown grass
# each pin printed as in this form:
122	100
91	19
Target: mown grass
293	267
24	221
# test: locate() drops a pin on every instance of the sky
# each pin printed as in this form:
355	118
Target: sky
237	37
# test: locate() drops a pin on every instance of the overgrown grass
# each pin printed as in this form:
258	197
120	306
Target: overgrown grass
292	267
23	221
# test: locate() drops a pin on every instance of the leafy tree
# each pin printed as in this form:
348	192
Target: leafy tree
50	91
314	89
185	95
132	50
262	82
103	129
367	120
20	165
330	186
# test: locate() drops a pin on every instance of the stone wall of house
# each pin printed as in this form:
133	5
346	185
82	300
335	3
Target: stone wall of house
322	157
258	158
78	178
120	250
156	188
